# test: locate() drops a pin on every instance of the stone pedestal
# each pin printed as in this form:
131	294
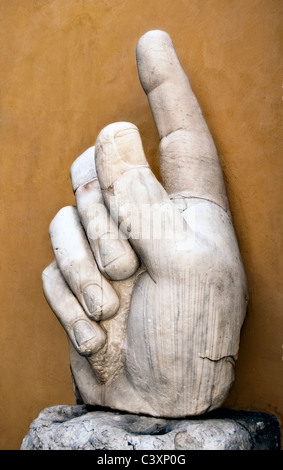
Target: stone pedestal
78	427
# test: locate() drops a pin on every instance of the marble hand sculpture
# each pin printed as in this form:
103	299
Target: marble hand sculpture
147	280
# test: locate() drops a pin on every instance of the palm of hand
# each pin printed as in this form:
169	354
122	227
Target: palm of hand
160	338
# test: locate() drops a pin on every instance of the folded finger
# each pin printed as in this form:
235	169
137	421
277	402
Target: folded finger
76	262
114	256
87	336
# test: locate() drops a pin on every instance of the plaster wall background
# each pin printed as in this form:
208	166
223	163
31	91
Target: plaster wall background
67	70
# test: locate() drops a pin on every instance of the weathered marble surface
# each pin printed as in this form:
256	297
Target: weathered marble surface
147	279
76	428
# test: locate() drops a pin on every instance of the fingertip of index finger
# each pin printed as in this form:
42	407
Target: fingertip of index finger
155	35
155	47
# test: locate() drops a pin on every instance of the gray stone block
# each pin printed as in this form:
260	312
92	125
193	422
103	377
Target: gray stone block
78	427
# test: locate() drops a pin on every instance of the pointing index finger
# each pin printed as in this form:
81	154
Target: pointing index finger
165	83
188	157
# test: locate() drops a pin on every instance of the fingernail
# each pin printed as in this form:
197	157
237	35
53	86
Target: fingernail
117	259
83	332
118	149
89	338
93	297
129	146
110	251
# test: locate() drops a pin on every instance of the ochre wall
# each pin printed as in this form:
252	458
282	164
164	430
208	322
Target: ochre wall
68	69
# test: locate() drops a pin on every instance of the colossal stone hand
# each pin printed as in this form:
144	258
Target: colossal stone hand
147	279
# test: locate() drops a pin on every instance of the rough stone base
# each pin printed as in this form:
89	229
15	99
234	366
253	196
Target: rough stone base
78	427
